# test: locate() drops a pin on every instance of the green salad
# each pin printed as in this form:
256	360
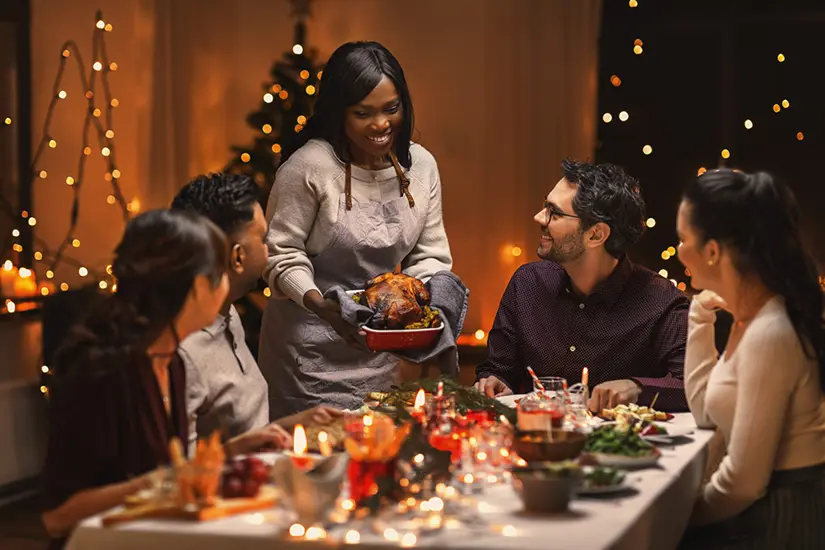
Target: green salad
609	440
601	476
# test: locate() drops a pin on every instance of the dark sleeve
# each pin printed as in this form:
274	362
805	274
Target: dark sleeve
668	339
81	447
502	342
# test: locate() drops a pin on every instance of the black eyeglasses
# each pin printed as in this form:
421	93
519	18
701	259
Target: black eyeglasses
552	211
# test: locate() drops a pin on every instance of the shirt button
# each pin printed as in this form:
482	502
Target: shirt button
572	348
581	306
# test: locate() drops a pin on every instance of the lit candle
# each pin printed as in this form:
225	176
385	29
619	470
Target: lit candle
299	448
323	443
585	376
418	406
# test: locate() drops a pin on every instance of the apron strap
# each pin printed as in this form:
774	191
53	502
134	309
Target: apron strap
403	181
348	186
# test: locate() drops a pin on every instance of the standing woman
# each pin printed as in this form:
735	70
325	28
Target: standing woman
740	240
352	199
118	394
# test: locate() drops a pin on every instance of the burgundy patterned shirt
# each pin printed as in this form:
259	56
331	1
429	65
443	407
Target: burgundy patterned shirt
633	325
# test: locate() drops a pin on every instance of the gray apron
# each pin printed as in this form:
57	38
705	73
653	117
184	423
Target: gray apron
303	359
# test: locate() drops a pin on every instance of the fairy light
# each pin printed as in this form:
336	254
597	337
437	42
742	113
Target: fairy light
115	173
7	120
245	157
112	66
616	81
607	117
665	255
267	292
352	537
408	540
276	148
302	119
479	334
110	134
663	273
15	232
304	74
114	103
62	94
623	116
76	243
297	49
725	154
69	181
296	530
38	255
101	24
268	98
44	291
780	58
266	128
748	124
283	94
776	108
310	90
105	152
52	143
701	170
97	65
50	274
43	174
108	27
32	221
64	286
647	149
10	306
633	4
786	104
110	199
651	223
800	136
637	49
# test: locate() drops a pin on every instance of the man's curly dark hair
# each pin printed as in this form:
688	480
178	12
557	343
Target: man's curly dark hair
226	199
606	193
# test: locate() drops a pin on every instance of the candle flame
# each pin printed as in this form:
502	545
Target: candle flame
368	420
323	443
585	376
299	440
420	399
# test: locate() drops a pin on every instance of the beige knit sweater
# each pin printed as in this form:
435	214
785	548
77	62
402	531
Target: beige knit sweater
303	209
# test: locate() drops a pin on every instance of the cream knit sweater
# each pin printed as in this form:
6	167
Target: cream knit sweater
303	209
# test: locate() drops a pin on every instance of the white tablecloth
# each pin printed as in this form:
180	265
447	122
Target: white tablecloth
654	516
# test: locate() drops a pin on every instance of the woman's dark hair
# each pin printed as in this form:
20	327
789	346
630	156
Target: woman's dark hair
758	219
352	72
606	193
155	265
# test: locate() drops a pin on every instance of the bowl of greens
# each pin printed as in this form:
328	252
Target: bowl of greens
609	446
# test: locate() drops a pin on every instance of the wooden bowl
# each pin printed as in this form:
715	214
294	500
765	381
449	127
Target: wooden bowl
545	494
555	446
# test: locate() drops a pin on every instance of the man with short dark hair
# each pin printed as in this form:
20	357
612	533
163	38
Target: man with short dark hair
224	387
587	305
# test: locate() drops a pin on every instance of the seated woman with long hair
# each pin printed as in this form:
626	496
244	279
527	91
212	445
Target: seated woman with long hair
118	394
740	240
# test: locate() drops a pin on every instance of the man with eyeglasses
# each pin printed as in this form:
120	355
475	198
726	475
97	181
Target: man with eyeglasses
585	304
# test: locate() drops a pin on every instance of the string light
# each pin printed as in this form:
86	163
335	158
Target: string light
671	250
110	134
62	94
304	74
607	117
725	154
682	287
776	107
623	116
15	233
43	174
800	136
87	150
663	273
69	181
76	243
748	124
647	149
780	58
665	255
268	98
516	251
267	292
302	119
651	223
32	221
101	24
82	271
115	173
114	103
245	157
266	128
108	27
50	274
103	285
38	255
297	49
112	66
105	152
310	90
283	94
479	335
97	65
786	103
96	113
52	143
64	286
701	171
276	148
633	4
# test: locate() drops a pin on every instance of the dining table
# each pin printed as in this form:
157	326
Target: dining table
651	513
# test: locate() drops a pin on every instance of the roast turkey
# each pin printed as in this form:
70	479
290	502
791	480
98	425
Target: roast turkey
398	301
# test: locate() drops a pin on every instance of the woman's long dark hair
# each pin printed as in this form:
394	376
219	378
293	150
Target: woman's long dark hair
352	72
155	264
758	218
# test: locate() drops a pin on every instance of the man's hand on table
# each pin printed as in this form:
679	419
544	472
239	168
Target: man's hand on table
616	392
492	387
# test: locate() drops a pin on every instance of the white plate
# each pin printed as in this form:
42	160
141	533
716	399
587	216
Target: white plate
672	432
510	400
604	489
621	461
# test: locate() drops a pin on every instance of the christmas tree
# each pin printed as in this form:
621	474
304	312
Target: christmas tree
285	107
